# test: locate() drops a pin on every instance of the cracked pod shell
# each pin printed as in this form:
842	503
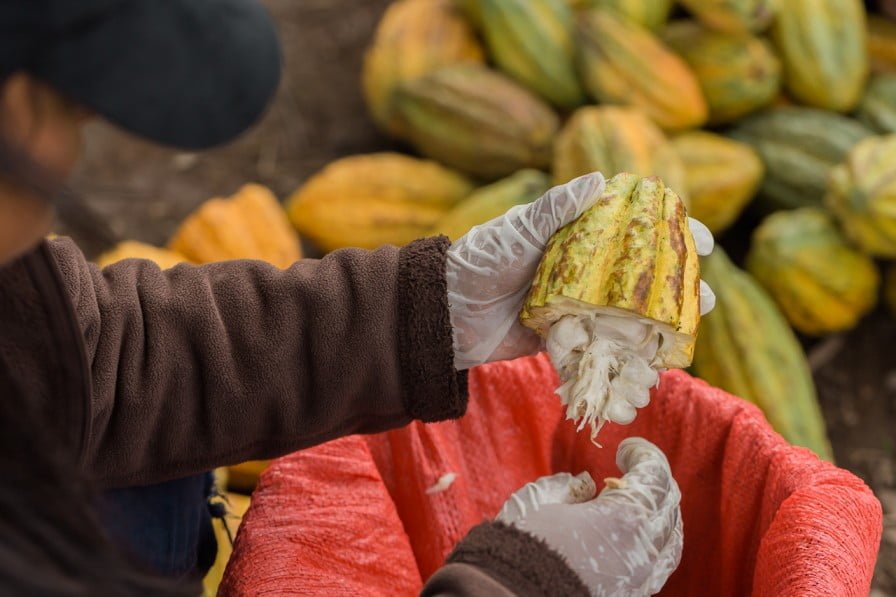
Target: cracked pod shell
631	254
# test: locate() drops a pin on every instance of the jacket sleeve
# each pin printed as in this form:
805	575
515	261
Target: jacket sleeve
202	366
498	560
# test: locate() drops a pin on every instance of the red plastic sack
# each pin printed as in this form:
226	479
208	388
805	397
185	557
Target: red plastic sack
353	517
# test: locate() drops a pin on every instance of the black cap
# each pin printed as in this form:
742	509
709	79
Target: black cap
187	73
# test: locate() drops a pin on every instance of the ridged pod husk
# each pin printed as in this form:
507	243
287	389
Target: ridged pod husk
623	63
649	13
614	139
862	194
722	177
372	200
630	255
821	283
733	16
131	249
477	120
878	107
492	201
823	46
738	74
747	348
251	224
881	44
798	147
532	41
413	38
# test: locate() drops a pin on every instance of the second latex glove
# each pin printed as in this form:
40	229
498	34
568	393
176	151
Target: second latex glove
490	269
625	542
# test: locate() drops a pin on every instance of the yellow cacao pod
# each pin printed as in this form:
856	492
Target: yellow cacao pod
251	224
624	63
652	14
532	41
491	201
822	44
821	283
613	139
722	177
738	74
733	16
131	249
881	44
478	121
368	201
630	255
862	194
413	38
747	348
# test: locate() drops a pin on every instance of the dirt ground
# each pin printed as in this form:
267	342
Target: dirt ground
144	191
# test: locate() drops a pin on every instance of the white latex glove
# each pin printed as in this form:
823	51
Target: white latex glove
490	269
627	541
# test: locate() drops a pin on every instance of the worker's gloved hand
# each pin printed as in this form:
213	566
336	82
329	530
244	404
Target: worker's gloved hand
490	270
626	541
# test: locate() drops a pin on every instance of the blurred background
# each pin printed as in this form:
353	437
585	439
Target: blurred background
144	192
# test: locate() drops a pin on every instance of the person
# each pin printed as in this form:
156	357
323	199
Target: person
121	387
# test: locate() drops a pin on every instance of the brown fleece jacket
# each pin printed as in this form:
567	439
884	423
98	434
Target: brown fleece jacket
152	375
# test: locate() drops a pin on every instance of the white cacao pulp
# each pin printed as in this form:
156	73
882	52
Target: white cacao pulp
606	366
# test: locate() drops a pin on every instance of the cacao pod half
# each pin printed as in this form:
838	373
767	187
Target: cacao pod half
722	177
798	147
613	139
738	73
651	14
131	249
532	41
617	296
862	194
733	16
878	107
823	46
747	348
477	120
249	225
413	38
821	283
372	200
623	63
492	201
881	44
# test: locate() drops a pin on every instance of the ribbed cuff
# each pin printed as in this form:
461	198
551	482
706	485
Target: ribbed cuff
518	560
433	389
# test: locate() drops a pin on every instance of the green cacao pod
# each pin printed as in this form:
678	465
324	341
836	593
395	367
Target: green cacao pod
722	177
624	63
747	348
823	46
614	139
733	16
798	147
532	41
651	14
819	281
738	73
491	201
881	44
413	38
476	120
372	200
878	107
862	194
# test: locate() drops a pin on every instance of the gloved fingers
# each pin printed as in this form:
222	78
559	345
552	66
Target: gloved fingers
647	484
562	488
702	237
707	298
558	207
